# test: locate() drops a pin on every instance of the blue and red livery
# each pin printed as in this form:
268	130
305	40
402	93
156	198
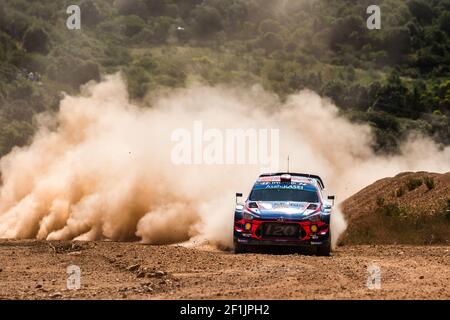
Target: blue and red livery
284	209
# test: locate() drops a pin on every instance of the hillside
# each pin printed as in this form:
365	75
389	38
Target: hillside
409	208
396	79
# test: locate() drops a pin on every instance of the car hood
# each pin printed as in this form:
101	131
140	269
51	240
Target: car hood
278	209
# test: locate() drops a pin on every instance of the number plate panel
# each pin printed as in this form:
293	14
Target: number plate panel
282	230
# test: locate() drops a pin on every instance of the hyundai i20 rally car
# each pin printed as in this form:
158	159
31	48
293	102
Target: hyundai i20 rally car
284	209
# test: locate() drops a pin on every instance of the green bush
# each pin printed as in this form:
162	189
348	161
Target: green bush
207	20
270	42
90	13
421	10
2	16
380	201
132	25
73	71
138	81
269	25
14	133
171	10
400	192
131	7
22	89
16	24
392	210
157	7
34	63
429	182
36	40
85	72
413	183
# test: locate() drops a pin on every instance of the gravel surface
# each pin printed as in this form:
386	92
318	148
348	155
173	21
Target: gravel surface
33	269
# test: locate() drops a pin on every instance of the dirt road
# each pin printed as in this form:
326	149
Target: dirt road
112	270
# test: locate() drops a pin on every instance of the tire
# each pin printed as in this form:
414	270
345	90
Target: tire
324	250
239	248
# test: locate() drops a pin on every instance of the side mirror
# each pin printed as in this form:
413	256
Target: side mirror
332	198
238	195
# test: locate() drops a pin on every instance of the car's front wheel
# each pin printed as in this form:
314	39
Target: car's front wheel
324	250
239	248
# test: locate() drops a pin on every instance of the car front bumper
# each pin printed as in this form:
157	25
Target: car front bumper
278	242
306	237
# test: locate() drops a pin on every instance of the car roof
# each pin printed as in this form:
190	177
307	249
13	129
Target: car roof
295	177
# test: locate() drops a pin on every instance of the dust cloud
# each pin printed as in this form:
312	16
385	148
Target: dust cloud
101	168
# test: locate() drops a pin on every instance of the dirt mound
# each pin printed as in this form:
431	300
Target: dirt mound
410	208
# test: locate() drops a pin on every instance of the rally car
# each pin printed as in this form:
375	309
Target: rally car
284	209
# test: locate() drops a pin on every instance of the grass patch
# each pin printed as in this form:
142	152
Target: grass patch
413	184
380	201
392	210
400	192
429	182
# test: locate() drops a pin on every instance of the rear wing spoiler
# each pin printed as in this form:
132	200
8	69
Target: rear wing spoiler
304	175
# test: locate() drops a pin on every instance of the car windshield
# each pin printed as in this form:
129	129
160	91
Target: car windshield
294	195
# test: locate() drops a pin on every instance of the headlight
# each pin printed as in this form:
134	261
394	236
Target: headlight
314	217
311	209
247	216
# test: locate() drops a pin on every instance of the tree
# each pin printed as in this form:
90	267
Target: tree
85	72
138	80
16	24
444	5
207	20
155	7
392	97
162	28
36	40
269	25
426	60
14	133
271	42
290	46
6	45
349	30
335	89
421	10
19	109
185	7
73	71
444	22
2	16
132	25
131	7
90	13
171	10
443	92
397	43
237	14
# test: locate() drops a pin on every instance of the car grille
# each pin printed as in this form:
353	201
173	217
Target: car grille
280	230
